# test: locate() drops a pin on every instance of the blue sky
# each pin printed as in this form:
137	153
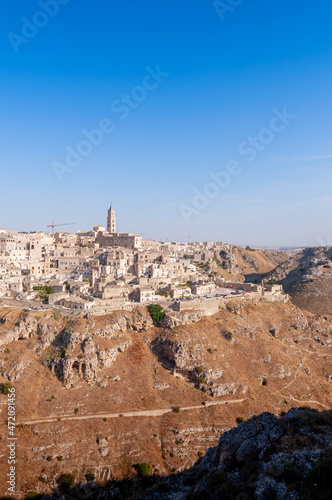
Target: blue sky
224	79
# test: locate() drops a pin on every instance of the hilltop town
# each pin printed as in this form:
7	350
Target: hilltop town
102	270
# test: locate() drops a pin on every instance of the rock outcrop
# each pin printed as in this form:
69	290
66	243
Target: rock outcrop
263	458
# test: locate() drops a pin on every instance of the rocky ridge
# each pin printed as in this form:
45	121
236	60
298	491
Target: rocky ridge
307	277
287	458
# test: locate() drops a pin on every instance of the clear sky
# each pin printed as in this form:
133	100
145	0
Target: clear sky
180	89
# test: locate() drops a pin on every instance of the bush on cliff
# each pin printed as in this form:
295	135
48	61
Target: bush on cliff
156	313
66	481
144	469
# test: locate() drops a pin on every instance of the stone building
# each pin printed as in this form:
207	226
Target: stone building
111	220
111	238
126	240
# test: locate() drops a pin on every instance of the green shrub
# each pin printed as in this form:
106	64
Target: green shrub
176	409
59	458
144	469
199	369
7	350
156	313
66	481
49	458
228	335
240	420
6	388
33	495
43	291
76	411
201	379
90	476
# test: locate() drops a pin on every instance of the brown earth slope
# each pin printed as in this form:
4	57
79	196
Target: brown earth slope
253	358
307	277
238	264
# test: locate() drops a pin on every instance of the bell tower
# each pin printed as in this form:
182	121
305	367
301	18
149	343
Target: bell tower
111	220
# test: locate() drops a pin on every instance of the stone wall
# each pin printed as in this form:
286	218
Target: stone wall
208	307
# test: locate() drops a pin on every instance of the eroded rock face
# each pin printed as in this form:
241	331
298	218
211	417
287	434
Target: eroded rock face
183	359
263	458
227	389
234	307
26	328
248	438
73	355
178	352
85	359
182	318
15	370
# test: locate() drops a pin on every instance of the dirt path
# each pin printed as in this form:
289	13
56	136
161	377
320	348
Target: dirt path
289	396
143	413
289	383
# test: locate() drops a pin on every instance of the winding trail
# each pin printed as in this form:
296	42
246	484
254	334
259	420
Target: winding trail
142	413
289	396
291	382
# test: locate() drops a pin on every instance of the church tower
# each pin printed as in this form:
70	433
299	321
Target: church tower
111	220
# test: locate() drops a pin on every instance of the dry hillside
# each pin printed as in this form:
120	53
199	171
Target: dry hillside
100	395
307	277
238	264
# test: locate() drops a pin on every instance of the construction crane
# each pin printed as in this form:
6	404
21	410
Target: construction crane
57	225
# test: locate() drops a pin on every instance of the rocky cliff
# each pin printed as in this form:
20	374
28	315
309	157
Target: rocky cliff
285	458
96	396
